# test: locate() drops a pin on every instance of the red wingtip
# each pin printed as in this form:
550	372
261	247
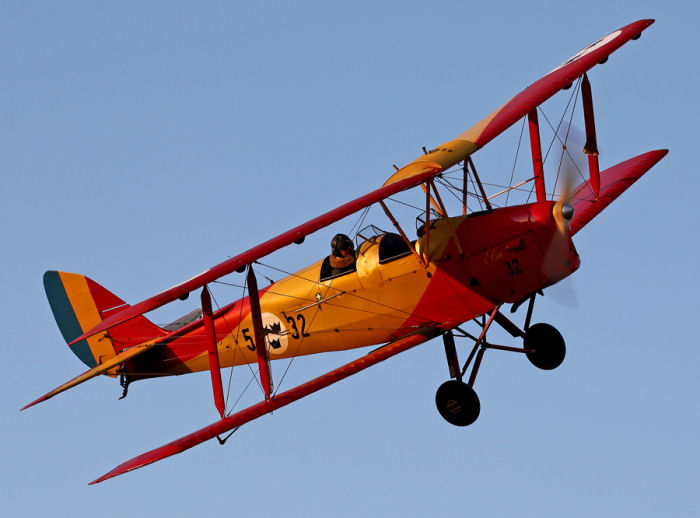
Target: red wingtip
121	469
42	398
142	460
646	22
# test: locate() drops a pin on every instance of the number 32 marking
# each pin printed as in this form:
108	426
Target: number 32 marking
513	267
295	329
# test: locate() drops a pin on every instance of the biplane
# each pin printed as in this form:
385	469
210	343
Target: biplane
399	290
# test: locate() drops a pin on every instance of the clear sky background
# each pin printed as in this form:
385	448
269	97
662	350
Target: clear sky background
145	141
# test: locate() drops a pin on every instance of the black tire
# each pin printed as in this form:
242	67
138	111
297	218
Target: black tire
547	346
457	403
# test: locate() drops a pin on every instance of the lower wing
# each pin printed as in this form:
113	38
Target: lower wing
277	401
613	182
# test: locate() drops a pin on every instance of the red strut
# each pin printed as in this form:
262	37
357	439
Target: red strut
591	147
214	366
260	346
536	147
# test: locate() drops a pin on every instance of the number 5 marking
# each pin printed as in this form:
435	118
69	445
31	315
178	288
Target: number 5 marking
248	338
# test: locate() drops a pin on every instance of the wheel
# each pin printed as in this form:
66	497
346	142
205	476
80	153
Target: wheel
547	346
457	403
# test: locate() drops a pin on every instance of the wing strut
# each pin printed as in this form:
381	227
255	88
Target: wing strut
426	236
431	183
536	147
403	234
478	182
591	147
258	330
465	186
438	206
214	366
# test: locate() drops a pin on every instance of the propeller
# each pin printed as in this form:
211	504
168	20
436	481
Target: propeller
570	163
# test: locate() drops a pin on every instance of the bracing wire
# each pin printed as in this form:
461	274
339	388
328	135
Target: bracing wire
554	137
235	350
515	161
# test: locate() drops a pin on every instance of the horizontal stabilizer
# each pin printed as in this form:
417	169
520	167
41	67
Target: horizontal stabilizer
613	182
110	364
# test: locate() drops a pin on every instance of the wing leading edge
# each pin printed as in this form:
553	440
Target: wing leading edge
278	401
454	151
420	172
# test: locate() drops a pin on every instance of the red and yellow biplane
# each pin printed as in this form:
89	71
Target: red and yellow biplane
395	293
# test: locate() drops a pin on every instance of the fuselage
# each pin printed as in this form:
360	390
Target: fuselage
469	265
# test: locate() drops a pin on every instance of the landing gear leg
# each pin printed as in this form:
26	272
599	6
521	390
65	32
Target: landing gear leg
543	345
457	401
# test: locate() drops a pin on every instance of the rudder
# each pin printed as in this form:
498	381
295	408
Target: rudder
78	304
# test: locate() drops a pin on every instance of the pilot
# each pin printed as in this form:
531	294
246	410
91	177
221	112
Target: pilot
342	256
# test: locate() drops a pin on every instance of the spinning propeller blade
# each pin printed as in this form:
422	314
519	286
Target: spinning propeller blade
572	142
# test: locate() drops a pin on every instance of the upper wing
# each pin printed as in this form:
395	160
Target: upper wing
419	172
454	151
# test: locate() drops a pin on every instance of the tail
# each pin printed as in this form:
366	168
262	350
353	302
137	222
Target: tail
79	304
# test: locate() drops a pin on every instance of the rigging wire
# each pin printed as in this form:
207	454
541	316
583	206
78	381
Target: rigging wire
330	286
235	349
280	294
566	138
517	151
453	189
419	209
473	182
240	395
567	152
360	220
574	94
551	142
296	350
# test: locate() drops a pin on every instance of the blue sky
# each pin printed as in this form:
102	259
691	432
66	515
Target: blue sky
145	141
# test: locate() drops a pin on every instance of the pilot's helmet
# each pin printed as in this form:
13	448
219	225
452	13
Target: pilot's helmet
339	243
